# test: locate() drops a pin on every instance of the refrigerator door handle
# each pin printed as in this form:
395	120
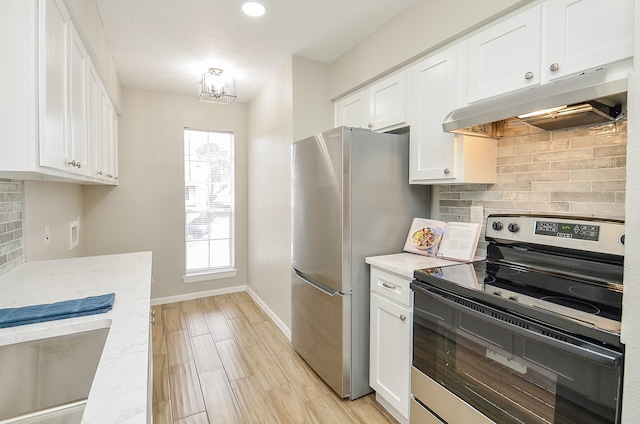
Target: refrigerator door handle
304	277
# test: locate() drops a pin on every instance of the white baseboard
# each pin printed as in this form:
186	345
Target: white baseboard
197	295
281	325
235	289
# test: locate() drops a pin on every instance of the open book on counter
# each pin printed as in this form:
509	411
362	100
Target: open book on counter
448	240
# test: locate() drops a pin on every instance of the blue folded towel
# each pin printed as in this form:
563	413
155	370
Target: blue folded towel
91	305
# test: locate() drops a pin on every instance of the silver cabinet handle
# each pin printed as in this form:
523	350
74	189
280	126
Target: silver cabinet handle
99	172
554	67
447	171
528	75
402	317
370	125
389	286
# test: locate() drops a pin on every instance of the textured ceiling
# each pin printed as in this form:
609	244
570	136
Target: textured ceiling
166	45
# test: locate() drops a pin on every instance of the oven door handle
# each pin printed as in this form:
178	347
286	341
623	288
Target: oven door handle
601	356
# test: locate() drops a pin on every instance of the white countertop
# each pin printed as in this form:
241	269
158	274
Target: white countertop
119	390
405	263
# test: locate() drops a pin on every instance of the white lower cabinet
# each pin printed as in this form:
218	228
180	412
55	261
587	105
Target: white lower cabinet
391	341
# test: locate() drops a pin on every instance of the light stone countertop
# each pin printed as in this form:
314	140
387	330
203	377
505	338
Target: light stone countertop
405	263
119	390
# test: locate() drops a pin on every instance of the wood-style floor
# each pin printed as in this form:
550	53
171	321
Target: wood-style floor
222	360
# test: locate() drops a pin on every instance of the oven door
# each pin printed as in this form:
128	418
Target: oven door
511	369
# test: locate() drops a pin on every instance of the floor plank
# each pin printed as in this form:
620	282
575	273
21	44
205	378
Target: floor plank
254	402
186	395
219	398
221	359
233	360
205	353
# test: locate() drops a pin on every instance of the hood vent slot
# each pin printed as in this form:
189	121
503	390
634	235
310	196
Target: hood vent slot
587	113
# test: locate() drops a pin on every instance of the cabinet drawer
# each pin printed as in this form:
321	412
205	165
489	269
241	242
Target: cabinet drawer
391	286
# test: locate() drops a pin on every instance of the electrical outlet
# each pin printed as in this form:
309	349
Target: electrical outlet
477	214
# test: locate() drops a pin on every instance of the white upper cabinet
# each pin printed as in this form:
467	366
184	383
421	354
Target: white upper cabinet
388	102
432	84
53	127
54	35
353	111
549	41
94	116
379	107
506	56
586	34
437	156
76	157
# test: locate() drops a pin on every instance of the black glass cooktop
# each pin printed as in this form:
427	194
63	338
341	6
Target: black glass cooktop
531	287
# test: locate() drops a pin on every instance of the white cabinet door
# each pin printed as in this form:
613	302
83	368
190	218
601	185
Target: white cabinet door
94	115
77	149
506	56
433	92
353	111
388	102
390	361
381	106
585	34
53	48
108	138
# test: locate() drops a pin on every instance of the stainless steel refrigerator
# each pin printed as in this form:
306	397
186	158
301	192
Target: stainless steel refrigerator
351	199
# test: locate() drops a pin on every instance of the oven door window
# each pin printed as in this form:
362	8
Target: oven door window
512	376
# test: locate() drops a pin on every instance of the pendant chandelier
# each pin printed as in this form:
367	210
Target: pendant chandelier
215	89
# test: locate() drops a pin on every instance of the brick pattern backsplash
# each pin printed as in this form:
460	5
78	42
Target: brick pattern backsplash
11	219
579	171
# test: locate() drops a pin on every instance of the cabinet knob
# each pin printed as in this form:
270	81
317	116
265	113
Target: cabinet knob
99	172
72	163
78	165
370	126
554	67
447	171
403	317
528	75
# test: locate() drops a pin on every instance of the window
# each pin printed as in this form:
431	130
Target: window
208	202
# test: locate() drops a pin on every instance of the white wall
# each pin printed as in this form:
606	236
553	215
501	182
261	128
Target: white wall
292	105
312	107
54	205
423	27
146	211
631	297
270	136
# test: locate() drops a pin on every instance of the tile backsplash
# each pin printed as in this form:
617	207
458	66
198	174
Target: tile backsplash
11	219
580	171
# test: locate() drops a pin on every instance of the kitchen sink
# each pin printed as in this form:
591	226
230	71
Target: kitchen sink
48	380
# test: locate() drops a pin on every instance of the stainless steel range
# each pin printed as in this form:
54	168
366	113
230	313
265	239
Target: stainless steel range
529	335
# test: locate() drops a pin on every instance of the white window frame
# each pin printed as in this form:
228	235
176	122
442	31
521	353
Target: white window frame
209	272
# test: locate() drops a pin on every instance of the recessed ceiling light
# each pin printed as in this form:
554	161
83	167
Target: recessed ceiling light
253	9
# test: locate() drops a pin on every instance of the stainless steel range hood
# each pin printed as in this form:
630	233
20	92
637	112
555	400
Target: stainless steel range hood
575	92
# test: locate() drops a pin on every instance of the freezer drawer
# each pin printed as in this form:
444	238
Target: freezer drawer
320	332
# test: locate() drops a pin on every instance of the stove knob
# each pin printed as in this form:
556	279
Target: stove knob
497	225
513	227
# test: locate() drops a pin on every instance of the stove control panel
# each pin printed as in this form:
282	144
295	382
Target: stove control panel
579	233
